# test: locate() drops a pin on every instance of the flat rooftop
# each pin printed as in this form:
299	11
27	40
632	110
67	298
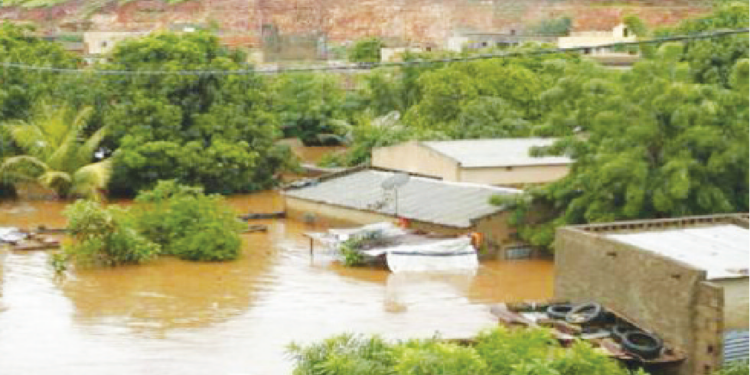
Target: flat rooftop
501	152
722	250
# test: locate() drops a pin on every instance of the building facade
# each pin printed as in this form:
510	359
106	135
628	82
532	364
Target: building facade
499	162
358	197
684	279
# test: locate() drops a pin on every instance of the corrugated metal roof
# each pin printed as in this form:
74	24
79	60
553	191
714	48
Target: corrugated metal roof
505	152
433	201
723	251
735	346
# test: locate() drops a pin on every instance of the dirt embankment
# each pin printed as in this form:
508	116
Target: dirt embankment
342	20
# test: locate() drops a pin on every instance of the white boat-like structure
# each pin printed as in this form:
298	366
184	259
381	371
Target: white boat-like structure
404	250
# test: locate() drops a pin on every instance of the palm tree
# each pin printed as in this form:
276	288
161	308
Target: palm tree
56	154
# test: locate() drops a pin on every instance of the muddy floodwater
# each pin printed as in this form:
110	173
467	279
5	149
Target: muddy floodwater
182	318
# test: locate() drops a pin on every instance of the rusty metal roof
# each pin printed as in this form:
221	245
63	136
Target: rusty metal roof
423	199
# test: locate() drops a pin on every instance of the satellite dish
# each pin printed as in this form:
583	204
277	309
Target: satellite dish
395	181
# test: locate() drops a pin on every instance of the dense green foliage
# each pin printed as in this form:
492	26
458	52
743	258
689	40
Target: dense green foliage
189	224
171	219
497	351
56	153
668	138
103	236
212	131
366	50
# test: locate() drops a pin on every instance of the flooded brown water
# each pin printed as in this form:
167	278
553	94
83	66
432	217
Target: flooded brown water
175	317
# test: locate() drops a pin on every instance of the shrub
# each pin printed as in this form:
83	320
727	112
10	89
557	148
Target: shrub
366	50
188	223
345	354
430	357
103	237
736	368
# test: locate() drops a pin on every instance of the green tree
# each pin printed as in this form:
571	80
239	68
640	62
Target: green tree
712	60
21	88
57	152
216	131
310	106
366	50
659	145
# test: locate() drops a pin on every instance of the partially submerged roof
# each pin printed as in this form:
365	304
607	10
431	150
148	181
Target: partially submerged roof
428	200
503	152
722	250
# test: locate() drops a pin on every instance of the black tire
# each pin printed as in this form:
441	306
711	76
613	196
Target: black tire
559	311
619	330
584	313
642	344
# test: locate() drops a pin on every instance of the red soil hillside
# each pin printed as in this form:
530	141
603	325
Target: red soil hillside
341	20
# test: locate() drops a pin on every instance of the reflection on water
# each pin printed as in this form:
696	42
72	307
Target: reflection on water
175	317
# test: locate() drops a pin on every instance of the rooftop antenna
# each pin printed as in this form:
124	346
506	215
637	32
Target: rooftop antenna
393	183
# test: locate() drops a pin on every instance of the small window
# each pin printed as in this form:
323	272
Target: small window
625	32
508	168
104	44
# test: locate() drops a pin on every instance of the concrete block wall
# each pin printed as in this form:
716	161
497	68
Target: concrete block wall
659	294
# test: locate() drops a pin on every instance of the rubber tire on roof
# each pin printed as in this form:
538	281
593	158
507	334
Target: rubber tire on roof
559	311
649	350
619	330
588	317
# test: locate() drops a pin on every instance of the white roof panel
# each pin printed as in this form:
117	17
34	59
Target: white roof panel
452	204
503	152
723	251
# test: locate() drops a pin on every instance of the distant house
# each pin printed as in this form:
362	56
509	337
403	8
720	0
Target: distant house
358	197
685	279
469	41
501	162
593	39
102	42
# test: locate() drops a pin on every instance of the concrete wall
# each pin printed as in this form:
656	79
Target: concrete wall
591	41
414	158
514	176
657	293
101	42
494	228
736	305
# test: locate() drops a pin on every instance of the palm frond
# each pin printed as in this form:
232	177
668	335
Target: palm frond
29	138
58	181
87	149
88	180
21	168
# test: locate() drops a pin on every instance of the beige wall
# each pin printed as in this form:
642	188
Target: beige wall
736	305
659	294
514	176
414	158
411	157
101	42
494	228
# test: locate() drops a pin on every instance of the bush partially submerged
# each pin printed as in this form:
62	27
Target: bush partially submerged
189	224
103	236
171	220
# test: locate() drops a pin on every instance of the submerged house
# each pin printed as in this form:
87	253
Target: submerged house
370	195
685	279
502	162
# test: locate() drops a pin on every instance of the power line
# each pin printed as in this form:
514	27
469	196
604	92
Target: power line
370	66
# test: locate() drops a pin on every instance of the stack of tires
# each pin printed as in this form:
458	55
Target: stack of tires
591	314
